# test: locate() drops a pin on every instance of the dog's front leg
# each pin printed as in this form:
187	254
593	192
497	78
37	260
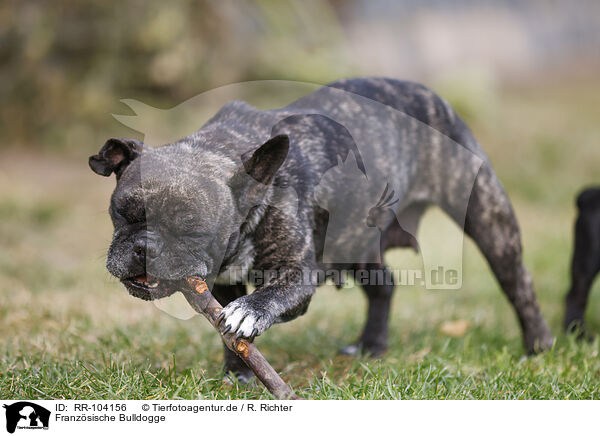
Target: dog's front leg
284	258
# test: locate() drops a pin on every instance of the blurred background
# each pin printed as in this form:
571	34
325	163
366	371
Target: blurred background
523	74
65	66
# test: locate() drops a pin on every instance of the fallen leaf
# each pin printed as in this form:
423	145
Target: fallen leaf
419	355
454	329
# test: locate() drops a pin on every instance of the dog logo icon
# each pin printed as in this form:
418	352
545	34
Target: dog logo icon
26	415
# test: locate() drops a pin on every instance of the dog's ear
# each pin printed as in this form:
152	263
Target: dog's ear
262	163
114	156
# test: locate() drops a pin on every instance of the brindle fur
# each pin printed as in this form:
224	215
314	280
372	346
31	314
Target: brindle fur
402	128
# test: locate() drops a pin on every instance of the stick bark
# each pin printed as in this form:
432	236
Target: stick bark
203	302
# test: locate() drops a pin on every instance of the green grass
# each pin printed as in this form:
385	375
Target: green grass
70	331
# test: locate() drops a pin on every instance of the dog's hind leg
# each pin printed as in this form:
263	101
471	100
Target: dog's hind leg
490	221
378	285
225	294
585	266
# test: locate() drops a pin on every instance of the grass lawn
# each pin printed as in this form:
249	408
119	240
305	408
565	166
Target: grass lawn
71	331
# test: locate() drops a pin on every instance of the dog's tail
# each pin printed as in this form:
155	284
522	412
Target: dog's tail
589	198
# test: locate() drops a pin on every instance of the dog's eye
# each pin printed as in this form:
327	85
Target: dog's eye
196	235
179	229
116	216
127	218
186	226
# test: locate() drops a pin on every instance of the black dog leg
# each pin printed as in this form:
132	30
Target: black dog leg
378	287
586	259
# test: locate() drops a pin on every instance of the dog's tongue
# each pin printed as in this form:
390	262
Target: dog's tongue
142	279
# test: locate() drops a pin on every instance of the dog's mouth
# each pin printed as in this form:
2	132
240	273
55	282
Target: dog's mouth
148	287
147	281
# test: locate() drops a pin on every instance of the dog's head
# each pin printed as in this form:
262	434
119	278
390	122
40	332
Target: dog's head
177	209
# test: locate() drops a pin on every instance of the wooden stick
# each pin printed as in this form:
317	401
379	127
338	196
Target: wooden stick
203	302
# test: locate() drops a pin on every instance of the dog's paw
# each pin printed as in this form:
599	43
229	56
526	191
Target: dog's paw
242	378
538	339
350	350
241	318
360	349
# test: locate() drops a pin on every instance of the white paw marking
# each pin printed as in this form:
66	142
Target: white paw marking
241	320
247	325
233	317
351	350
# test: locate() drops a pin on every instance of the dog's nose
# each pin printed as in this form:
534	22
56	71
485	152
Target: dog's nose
145	249
151	249
139	250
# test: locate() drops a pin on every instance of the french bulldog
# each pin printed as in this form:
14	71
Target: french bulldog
327	183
